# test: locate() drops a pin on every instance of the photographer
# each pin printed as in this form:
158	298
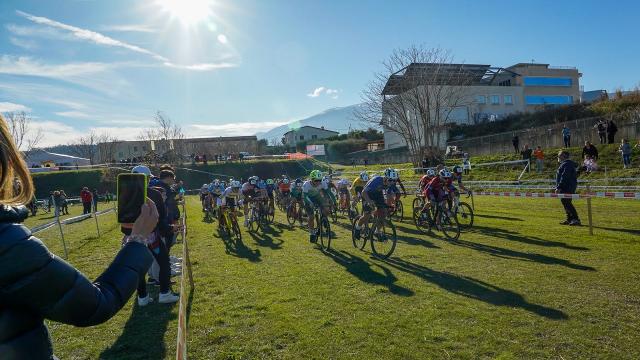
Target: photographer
37	285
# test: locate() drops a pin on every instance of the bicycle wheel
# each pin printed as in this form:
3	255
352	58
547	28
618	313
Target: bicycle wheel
253	220
383	238
449	225
292	211
334	215
325	233
421	220
464	213
398	214
271	215
418	202
359	243
235	227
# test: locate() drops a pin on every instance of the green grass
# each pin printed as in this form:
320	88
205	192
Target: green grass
74	210
517	286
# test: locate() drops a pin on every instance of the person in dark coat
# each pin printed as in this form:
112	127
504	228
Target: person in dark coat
567	183
87	199
612	129
37	285
589	150
516	143
602	131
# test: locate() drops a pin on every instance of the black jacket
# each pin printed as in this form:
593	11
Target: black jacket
591	151
36	285
567	177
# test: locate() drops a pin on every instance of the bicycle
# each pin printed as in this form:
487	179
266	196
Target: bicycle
256	217
345	207
438	217
229	223
463	212
323	228
396	210
381	234
295	212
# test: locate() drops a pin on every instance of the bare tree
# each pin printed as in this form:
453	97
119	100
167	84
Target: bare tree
86	146
107	147
24	135
415	96
167	136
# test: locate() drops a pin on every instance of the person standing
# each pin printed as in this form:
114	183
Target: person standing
466	164
625	150
589	150
94	197
526	155
516	143
425	165
567	183
602	131
566	136
86	197
612	129
539	155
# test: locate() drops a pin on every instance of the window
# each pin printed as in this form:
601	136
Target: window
505	83
301	137
144	147
548	100
481	99
135	149
495	99
508	99
313	137
547	81
120	154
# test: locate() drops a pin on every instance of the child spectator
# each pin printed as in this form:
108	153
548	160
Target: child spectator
589	164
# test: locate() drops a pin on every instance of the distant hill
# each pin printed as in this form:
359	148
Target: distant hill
338	119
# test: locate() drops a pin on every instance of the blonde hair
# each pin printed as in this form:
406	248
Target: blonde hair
12	169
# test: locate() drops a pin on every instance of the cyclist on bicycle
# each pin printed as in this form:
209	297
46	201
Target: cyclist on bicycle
393	193
327	185
296	192
214	192
358	185
373	195
313	194
284	187
425	179
250	193
204	191
435	191
231	197
457	177
270	188
343	190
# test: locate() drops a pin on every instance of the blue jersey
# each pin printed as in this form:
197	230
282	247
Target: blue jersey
270	188
374	186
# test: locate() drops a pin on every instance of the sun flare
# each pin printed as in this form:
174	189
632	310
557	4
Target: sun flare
189	12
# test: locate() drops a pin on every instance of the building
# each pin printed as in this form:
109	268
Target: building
593	96
123	150
306	133
41	159
484	93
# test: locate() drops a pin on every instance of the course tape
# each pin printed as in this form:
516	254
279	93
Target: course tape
42	227
614	195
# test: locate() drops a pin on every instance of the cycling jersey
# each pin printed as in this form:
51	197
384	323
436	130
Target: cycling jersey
312	194
284	187
230	197
435	189
296	193
424	180
374	190
249	190
270	189
358	185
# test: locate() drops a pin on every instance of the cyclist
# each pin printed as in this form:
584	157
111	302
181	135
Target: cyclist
204	191
231	197
214	193
313	194
372	195
457	177
425	179
250	193
284	187
358	185
393	193
327	185
343	190
435	191
270	188
296	193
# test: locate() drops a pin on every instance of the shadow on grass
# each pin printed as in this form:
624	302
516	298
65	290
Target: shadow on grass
475	289
497	217
364	271
513	254
237	248
628	231
514	236
143	334
414	240
264	240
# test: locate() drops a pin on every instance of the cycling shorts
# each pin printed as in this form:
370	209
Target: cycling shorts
231	203
344	191
378	200
358	189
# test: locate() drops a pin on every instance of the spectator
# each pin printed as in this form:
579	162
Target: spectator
353	162
516	143
57	203
526	155
625	150
94	196
466	164
567	183
425	164
539	155
166	180
366	162
85	196
64	204
602	131
566	136
590	149
589	164
612	129
37	285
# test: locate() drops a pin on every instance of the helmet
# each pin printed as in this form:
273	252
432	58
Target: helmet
285	181
364	176
431	172
235	184
141	169
445	173
216	182
269	181
222	183
391	174
315	175
457	169
326	180
253	180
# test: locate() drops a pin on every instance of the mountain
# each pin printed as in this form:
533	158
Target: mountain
338	119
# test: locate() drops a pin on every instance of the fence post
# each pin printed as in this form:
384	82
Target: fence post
95	216
64	244
589	214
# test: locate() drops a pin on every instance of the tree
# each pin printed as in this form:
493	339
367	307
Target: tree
107	147
24	135
167	137
86	146
415	96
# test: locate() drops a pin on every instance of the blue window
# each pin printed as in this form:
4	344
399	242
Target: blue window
548	100
547	81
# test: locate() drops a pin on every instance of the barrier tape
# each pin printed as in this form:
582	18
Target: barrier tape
42	227
614	195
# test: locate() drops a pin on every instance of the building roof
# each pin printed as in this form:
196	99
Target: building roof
39	156
418	74
311	127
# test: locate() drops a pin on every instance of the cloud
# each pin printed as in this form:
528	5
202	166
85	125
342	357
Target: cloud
222	38
24	43
235	129
73	114
100	39
333	93
9	107
129	28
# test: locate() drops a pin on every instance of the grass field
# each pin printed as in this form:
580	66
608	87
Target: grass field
517	286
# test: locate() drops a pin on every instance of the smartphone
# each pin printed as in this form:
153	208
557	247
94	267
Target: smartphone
132	193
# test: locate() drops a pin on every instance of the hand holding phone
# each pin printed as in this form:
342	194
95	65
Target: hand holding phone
147	221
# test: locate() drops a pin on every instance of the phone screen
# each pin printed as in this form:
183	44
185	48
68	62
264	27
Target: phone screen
132	192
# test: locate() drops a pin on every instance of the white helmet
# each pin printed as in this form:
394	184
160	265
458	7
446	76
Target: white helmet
391	174
431	172
326	180
141	169
235	184
445	173
364	176
285	180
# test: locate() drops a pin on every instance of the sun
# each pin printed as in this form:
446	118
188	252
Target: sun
189	12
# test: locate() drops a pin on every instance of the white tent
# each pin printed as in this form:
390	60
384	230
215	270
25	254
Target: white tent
41	159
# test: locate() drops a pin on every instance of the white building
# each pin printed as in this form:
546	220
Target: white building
306	133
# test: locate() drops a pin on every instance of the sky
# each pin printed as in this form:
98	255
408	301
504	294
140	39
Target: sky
223	67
